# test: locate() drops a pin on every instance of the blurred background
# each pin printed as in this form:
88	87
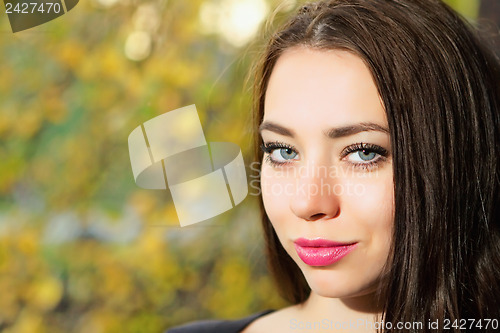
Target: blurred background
82	248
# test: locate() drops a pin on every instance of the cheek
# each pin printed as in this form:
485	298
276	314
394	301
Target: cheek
371	194
372	209
276	189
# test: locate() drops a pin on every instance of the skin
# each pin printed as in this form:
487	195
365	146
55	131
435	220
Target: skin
320	193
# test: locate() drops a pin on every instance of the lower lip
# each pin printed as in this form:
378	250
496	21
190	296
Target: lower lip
323	256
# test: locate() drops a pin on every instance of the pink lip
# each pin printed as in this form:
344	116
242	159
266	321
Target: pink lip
321	252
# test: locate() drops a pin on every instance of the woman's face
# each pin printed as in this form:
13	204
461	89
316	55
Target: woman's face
326	176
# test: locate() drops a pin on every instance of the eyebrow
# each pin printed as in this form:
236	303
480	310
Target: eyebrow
333	133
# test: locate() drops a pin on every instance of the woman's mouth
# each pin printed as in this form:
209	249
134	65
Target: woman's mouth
321	252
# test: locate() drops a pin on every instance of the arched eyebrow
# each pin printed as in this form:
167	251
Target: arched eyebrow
333	133
338	132
278	129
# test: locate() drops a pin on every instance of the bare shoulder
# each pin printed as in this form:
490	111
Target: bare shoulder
275	321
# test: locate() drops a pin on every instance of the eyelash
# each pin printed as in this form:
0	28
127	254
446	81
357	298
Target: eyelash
371	148
269	147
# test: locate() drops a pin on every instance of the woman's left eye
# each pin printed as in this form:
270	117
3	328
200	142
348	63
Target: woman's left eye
364	155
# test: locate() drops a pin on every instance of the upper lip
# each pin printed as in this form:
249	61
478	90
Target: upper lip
320	242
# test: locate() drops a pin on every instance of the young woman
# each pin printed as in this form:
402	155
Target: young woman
379	124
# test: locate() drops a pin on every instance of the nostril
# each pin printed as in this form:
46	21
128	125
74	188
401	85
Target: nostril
316	217
320	216
315	208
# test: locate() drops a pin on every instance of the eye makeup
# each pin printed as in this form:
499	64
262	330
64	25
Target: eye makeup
380	155
277	153
270	148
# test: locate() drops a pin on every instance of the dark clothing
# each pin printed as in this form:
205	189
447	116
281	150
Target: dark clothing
218	326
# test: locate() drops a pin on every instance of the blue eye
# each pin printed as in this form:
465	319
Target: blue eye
285	153
363	155
279	153
359	155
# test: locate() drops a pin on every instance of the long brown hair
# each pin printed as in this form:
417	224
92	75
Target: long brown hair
440	86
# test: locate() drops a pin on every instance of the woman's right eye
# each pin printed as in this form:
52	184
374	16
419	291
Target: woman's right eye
279	153
283	154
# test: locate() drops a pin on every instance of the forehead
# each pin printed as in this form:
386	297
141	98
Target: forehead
311	88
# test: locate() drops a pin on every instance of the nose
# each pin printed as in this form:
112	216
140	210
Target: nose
316	197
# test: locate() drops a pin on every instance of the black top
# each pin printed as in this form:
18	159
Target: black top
218	326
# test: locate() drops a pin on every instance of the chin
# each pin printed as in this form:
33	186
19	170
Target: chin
326	282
